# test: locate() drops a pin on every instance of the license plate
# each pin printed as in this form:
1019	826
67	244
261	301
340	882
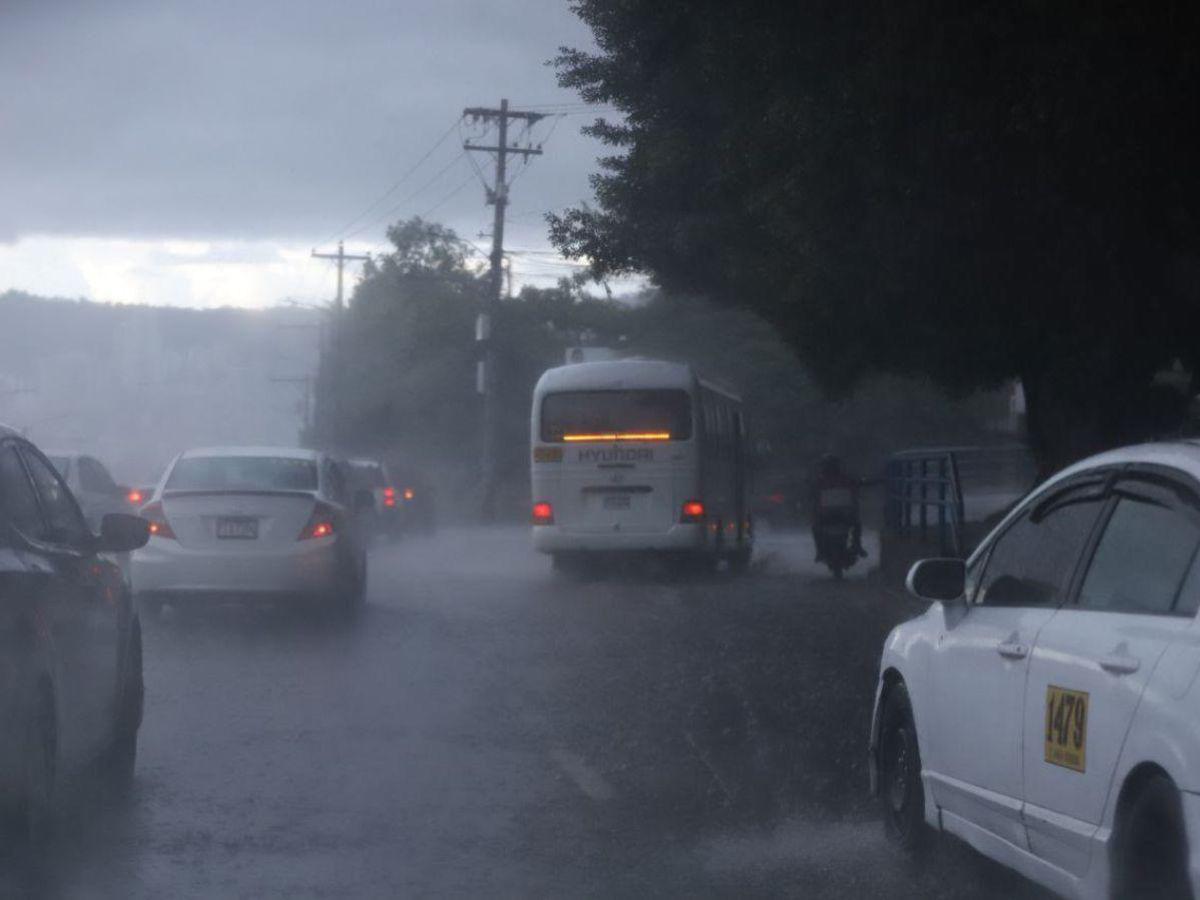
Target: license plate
1066	727
616	501
237	528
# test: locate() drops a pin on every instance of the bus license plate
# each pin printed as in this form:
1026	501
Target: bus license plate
616	501
232	528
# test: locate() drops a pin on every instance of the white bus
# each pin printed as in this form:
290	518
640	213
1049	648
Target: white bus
638	455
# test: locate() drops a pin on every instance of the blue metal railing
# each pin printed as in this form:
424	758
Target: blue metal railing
924	493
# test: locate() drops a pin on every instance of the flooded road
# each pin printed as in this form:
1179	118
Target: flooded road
486	728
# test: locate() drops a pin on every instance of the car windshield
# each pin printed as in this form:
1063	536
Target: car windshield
369	475
222	473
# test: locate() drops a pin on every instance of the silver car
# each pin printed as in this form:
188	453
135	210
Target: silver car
247	523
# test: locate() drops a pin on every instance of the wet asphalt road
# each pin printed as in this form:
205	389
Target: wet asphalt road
488	729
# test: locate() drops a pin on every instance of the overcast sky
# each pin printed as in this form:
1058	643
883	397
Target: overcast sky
194	152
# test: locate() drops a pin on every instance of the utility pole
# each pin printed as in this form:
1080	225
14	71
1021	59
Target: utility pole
336	356
498	197
341	256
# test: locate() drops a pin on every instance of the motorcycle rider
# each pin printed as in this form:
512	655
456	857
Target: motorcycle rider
834	501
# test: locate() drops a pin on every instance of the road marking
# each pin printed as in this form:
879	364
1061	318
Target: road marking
585	777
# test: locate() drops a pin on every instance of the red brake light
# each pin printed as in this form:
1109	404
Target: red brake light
389	496
693	511
135	497
320	523
543	514
159	526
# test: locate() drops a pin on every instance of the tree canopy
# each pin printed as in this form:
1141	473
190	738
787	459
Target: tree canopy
971	191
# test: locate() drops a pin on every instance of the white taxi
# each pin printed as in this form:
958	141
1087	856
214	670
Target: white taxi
1046	706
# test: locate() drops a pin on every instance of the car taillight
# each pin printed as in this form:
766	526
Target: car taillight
320	523
408	493
543	514
135	497
693	511
159	526
389	496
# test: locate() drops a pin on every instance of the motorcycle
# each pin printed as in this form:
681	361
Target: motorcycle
836	547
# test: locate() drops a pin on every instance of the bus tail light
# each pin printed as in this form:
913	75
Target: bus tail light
693	511
389	496
543	514
159	526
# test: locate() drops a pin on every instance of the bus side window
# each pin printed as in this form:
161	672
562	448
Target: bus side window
710	422
726	432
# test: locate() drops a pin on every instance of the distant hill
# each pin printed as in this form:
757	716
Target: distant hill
137	384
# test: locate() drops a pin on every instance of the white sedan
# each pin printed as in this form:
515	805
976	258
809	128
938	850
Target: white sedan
249	523
1046	706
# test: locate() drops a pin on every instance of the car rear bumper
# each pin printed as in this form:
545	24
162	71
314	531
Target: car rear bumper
164	568
683	536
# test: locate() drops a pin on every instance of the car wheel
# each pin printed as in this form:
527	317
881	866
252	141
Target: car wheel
122	754
348	597
739	561
34	812
1150	854
901	794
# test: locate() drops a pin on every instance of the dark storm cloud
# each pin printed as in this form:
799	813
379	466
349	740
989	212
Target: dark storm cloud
262	119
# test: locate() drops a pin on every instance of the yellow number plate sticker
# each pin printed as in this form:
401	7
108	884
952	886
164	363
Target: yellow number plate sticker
1066	728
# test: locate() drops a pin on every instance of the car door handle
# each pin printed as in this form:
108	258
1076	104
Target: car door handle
1012	650
1120	665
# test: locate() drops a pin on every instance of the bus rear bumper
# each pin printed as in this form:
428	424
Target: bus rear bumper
683	536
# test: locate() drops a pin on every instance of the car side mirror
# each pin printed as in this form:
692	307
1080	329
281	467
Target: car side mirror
121	532
942	580
364	501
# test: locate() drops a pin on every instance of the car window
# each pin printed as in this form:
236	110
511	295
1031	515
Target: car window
1188	601
234	473
64	523
1031	563
1141	559
17	498
335	482
94	477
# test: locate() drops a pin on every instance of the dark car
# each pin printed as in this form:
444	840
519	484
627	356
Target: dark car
93	487
70	643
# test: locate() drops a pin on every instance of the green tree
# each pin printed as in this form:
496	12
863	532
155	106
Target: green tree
969	191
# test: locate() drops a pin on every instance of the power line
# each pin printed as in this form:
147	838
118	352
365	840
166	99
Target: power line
393	209
450	196
399	181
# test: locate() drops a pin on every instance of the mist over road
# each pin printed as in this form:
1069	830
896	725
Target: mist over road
488	729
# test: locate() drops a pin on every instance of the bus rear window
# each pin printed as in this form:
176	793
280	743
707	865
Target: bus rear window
648	415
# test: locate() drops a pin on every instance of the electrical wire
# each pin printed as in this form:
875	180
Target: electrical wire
409	197
450	196
399	181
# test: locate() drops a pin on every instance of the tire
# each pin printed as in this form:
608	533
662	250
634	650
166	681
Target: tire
573	566
348	598
33	815
121	758
739	561
1150	853
901	793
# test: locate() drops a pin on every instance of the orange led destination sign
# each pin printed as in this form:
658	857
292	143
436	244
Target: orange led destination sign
618	436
